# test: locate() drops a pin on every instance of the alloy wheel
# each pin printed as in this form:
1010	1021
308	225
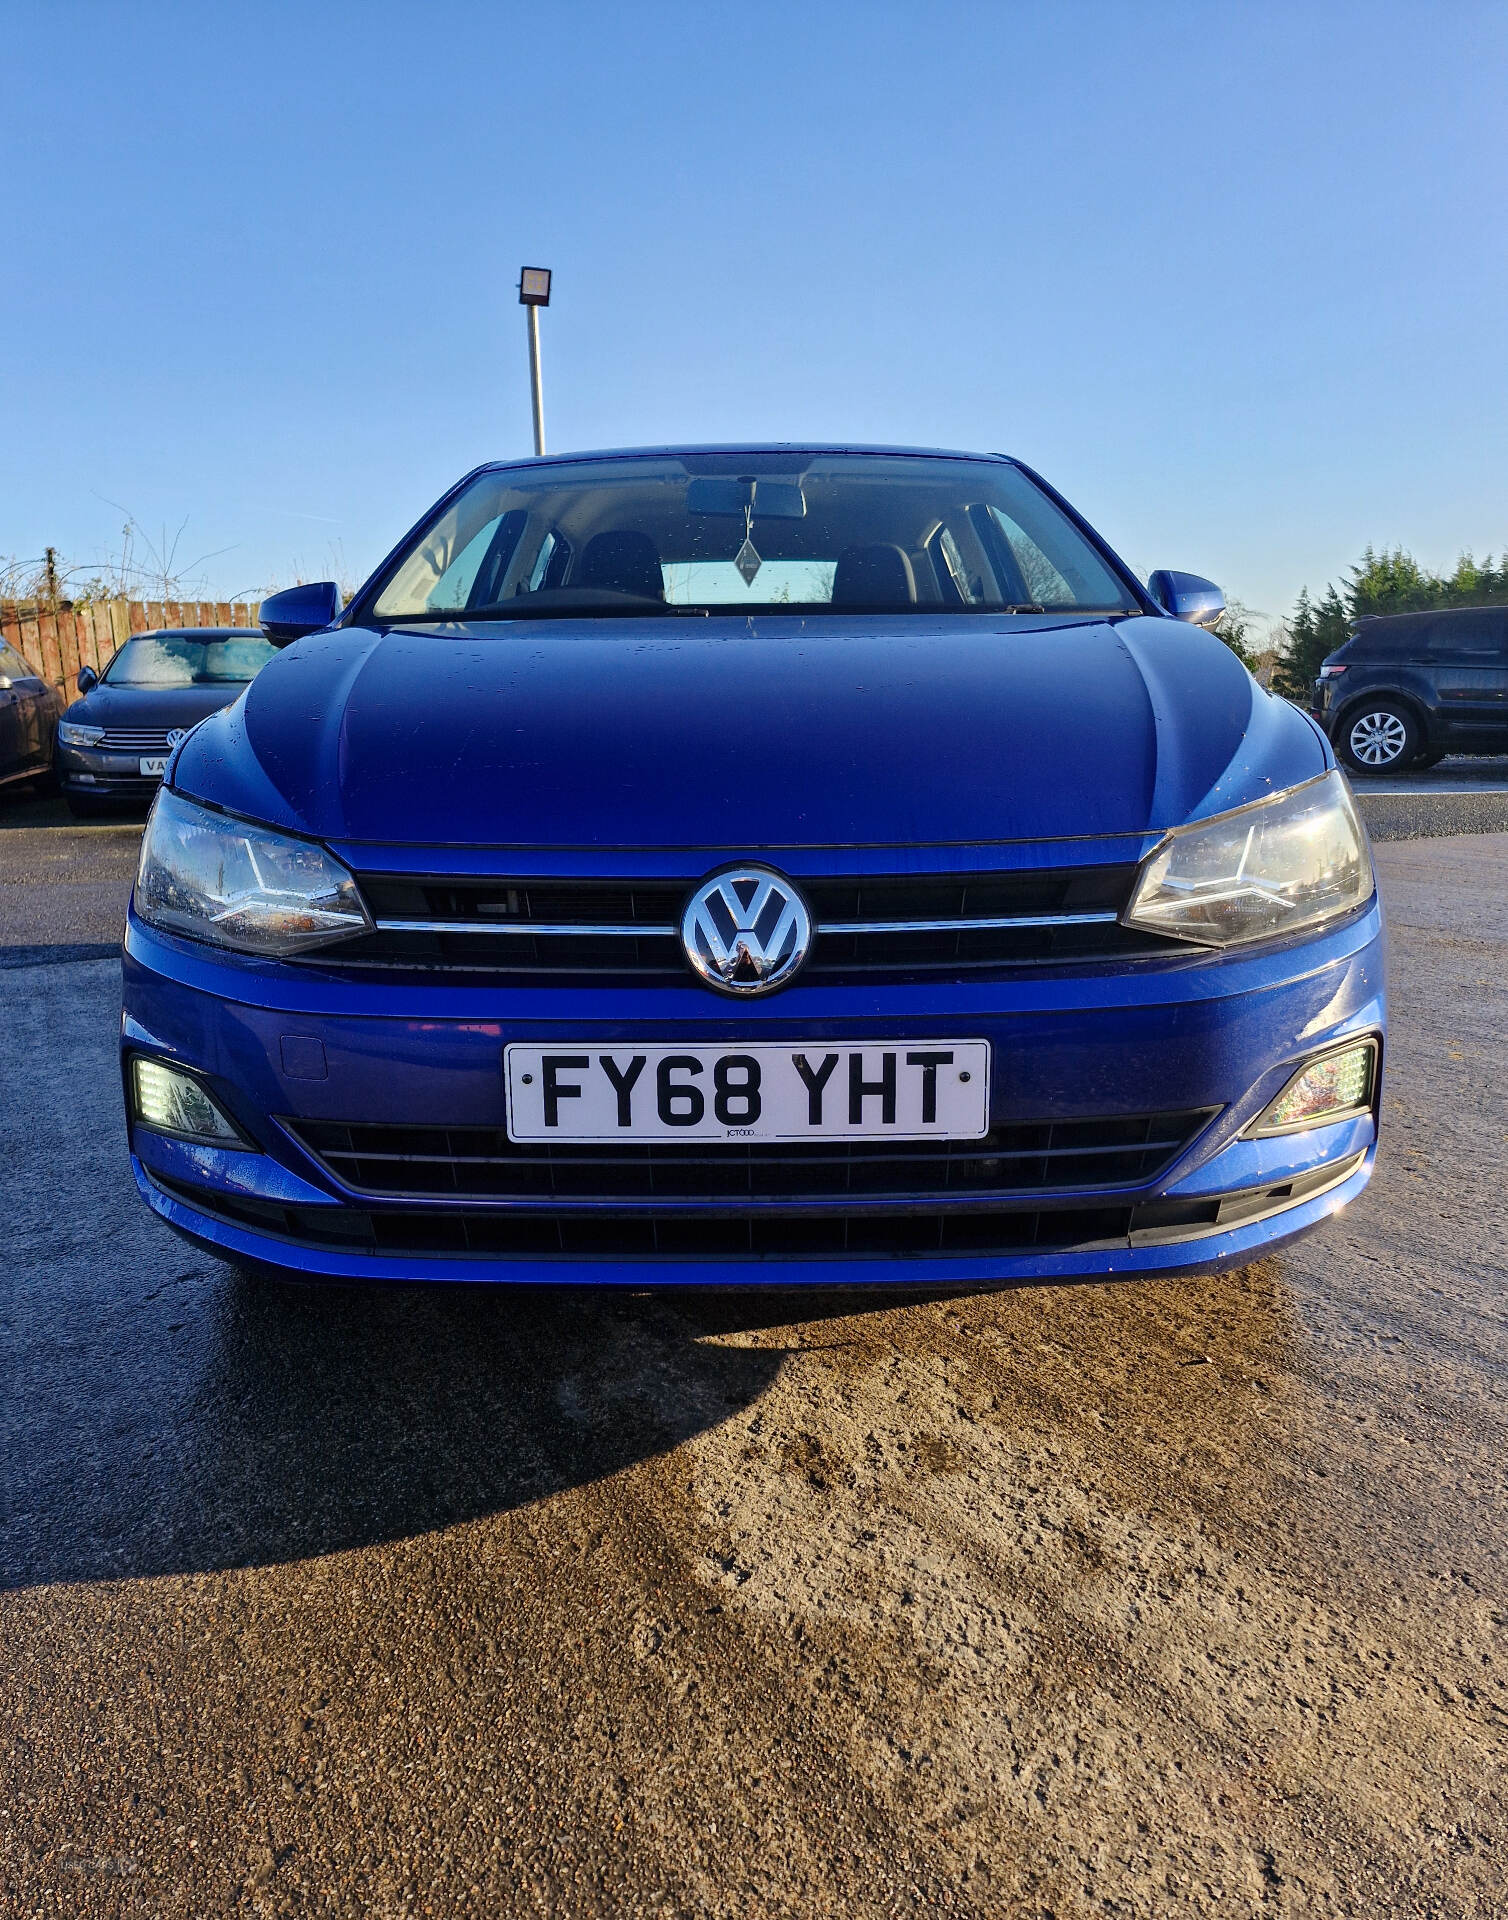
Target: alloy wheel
1378	739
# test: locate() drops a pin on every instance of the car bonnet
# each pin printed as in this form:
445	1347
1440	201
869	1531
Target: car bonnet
749	733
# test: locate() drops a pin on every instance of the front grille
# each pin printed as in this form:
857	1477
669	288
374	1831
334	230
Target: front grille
481	1163
898	924
151	740
445	1232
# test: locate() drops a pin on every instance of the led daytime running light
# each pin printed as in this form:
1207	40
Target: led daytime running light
1333	1087
169	1101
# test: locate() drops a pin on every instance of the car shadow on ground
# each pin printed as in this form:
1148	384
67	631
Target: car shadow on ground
220	1421
30	810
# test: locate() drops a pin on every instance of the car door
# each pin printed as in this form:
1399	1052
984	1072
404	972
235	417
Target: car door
37	707
1468	655
16	718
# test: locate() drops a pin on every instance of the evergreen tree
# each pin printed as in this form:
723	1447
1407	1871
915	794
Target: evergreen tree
1310	638
1390	581
1476	585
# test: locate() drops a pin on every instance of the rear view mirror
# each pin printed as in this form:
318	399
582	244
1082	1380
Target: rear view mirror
1187	596
88	679
779	500
717	496
289	615
771	499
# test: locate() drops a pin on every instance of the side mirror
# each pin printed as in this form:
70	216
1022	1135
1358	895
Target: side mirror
289	615
88	680
1187	596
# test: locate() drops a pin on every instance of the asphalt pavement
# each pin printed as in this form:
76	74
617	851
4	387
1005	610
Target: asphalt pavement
1165	1598
1457	796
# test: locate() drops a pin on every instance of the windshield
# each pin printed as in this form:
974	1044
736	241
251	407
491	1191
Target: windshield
183	660
766	532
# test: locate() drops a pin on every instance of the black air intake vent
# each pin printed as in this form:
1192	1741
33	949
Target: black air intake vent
577	931
481	1163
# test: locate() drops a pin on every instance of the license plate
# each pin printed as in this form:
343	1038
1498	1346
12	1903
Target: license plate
157	764
899	1090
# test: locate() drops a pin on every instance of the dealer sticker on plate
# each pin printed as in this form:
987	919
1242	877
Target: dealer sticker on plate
899	1090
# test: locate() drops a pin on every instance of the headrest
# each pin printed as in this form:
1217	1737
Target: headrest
623	562
878	576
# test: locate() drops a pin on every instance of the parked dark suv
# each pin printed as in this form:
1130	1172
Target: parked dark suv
1407	689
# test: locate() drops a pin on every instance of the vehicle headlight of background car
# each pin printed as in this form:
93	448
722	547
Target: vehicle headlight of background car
241	886
1287	864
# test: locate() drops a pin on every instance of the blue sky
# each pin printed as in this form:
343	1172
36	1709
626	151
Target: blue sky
1232	276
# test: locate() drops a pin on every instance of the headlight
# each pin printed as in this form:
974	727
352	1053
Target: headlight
71	735
238	885
1280	866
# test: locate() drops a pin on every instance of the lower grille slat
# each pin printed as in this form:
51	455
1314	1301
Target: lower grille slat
133	740
438	1233
483	1164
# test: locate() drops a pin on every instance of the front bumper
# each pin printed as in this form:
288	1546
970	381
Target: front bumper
92	774
283	1044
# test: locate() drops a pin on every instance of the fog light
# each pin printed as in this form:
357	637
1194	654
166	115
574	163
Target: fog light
172	1102
1333	1087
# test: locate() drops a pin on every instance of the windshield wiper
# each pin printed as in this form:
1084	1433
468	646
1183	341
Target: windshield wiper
548	603
521	609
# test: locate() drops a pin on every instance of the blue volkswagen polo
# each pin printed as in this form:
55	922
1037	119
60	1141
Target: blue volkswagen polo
755	864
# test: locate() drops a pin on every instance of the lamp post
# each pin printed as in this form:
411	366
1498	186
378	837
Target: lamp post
534	293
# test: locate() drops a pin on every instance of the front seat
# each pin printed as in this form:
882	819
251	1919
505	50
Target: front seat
878	576
621	563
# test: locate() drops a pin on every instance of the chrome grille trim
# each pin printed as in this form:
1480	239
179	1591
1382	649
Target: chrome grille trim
646	931
132	740
570	929
535	928
966	925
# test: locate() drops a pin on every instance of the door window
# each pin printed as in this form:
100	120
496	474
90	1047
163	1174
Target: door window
1476	633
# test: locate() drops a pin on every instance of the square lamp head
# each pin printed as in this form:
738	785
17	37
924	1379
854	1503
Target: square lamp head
534	287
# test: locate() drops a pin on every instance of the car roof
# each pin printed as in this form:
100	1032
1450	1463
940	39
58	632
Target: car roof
1418	615
808	449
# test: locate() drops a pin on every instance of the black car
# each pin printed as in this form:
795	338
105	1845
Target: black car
29	709
1408	688
113	744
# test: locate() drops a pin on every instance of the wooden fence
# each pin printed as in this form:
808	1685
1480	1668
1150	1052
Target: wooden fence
56	645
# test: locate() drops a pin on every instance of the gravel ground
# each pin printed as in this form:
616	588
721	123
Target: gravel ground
1432	813
1160	1598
